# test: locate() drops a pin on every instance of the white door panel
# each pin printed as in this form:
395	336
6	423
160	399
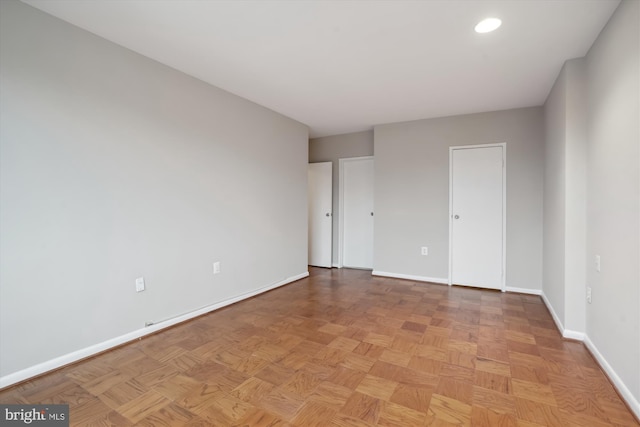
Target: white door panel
477	240
320	221
357	181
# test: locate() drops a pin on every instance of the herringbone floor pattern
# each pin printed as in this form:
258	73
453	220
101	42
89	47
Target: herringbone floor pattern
342	348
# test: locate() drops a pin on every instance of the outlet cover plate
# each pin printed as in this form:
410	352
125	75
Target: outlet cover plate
140	284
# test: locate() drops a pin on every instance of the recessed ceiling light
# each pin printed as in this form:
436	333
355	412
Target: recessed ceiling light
488	25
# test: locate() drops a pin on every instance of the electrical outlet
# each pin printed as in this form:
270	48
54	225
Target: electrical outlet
589	294
216	267
598	263
140	284
424	250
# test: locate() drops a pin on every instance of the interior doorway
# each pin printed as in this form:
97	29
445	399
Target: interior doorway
320	195
356	212
477	223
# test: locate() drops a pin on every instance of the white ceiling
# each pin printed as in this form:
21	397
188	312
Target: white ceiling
344	66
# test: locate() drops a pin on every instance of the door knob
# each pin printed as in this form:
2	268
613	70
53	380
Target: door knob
371	213
456	217
327	214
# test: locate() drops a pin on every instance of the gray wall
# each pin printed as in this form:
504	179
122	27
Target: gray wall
564	269
575	200
554	196
332	149
412	191
114	166
613	193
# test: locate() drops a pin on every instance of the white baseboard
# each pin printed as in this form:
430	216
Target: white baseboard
624	391
411	277
566	333
523	290
75	356
555	317
445	281
574	335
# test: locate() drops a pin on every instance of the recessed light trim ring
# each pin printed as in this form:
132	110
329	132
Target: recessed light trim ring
487	25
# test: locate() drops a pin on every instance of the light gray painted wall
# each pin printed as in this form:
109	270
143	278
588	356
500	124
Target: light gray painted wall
412	191
613	193
554	196
332	149
114	166
575	196
564	269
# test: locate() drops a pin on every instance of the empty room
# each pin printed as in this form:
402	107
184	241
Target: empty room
320	213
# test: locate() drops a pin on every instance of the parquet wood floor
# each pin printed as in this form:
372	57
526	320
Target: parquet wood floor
343	348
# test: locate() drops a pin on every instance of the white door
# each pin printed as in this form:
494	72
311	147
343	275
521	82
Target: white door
357	212
320	201
477	222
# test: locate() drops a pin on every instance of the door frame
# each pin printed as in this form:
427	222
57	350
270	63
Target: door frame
330	213
341	163
504	207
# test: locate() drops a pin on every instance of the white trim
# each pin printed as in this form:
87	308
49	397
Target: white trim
439	280
450	266
574	335
341	204
624	391
523	290
75	356
503	286
312	231
566	333
336	265
340	210
555	317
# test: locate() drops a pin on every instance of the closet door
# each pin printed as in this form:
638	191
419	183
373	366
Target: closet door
320	192
357	212
477	216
